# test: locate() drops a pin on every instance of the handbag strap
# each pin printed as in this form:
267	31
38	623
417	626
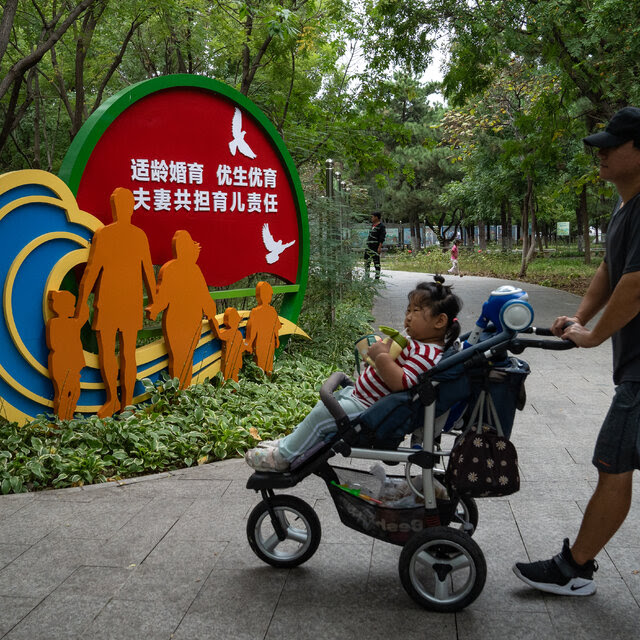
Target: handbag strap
494	416
477	415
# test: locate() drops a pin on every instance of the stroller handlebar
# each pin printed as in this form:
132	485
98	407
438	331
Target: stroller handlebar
518	345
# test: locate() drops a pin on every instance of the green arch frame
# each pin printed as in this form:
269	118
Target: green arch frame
86	139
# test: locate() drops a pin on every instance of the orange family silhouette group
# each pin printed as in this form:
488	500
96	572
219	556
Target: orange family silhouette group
118	264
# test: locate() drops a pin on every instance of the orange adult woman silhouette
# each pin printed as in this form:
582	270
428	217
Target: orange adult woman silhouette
119	261
182	292
263	327
66	357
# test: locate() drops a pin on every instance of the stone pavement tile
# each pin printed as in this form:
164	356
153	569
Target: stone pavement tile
177	487
9	552
347	620
383	587
336	572
71	494
490	624
611	612
57	618
237	552
233	604
58	548
530	431
101	519
135	541
218	470
94	582
175	585
35	577
11	504
13	609
211	520
552	490
127	620
196	555
35	520
627	562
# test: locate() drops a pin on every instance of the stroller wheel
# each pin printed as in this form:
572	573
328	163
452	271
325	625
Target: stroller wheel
442	569
465	518
298	526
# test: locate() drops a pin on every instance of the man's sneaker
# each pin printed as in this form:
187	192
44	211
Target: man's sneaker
559	575
266	459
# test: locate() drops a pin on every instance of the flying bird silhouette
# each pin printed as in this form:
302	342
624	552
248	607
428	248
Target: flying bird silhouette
238	143
274	248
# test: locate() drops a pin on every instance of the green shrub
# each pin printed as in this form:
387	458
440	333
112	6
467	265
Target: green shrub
176	429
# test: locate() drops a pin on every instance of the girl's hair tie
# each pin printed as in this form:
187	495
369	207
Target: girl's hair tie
455	320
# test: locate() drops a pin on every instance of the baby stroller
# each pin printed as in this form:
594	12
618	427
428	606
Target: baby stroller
441	567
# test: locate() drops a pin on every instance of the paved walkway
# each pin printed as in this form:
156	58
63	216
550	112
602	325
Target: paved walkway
167	557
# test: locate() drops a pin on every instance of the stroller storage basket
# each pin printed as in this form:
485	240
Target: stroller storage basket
394	524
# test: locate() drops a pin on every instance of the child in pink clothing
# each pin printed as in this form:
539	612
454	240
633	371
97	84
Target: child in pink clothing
454	259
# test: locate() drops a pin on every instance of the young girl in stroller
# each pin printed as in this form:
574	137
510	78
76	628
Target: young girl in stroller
431	325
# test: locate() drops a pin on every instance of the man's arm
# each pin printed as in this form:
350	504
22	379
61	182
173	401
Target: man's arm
382	234
621	308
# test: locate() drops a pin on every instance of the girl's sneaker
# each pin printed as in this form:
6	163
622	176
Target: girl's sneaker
268	444
559	575
266	459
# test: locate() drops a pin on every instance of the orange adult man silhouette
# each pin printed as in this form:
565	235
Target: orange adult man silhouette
183	292
66	357
233	345
119	261
263	327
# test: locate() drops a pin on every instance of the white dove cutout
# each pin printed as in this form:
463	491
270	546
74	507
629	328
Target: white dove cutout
238	143
274	248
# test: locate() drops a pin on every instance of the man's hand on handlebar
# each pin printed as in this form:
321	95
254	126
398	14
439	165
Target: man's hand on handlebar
580	336
561	324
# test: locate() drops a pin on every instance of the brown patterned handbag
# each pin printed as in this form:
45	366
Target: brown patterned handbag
483	463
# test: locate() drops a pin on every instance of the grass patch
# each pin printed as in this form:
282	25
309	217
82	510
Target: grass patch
564	271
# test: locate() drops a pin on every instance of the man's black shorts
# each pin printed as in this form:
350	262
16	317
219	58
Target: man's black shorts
617	444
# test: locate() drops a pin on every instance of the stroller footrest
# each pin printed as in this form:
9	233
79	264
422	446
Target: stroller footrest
271	480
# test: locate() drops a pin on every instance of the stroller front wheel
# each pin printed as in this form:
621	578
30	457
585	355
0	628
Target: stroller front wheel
442	569
299	527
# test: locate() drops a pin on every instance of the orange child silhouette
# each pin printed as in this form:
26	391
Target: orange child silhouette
233	345
263	327
183	292
119	262
66	358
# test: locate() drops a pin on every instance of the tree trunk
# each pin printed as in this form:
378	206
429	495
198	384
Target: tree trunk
528	246
482	235
584	215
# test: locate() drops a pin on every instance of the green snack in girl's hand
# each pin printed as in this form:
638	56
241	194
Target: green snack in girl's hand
395	335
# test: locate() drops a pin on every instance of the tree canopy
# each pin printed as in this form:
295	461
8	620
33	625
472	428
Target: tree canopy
523	82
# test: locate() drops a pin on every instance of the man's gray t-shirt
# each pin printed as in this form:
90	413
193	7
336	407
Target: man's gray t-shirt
623	256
